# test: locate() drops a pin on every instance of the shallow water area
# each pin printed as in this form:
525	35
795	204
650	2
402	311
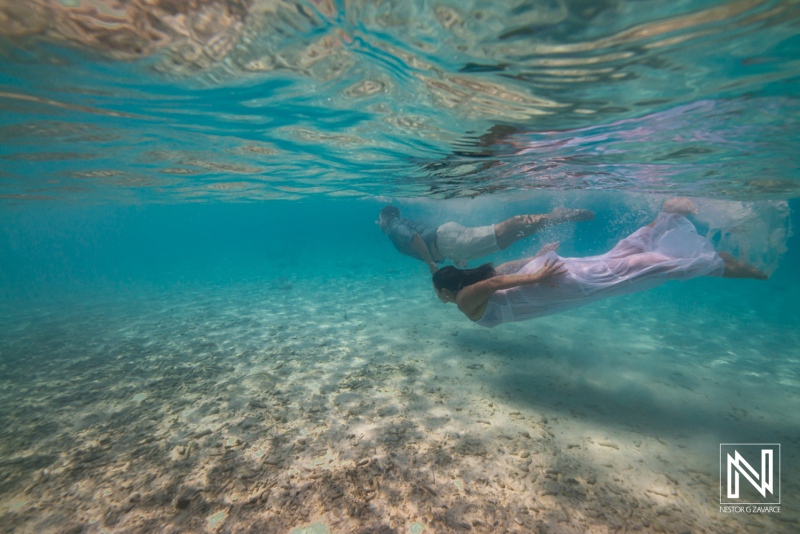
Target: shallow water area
337	391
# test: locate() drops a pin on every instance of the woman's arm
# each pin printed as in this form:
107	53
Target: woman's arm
473	297
511	267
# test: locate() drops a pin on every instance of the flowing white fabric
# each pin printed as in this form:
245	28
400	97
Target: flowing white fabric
669	250
754	232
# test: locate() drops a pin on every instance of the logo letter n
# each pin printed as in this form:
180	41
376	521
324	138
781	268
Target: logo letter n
738	465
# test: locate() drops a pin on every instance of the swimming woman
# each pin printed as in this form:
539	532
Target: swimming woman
667	249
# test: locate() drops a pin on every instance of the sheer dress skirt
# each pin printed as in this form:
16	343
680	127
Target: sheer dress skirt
669	250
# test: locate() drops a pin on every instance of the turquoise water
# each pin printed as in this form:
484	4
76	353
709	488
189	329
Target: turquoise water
203	329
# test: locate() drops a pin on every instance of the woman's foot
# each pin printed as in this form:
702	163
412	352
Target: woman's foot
738	269
680	205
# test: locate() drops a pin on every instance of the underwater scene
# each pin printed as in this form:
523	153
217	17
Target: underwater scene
413	267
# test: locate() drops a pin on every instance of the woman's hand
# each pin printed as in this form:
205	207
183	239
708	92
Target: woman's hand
552	267
471	300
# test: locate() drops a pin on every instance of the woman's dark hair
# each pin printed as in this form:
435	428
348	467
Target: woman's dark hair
455	279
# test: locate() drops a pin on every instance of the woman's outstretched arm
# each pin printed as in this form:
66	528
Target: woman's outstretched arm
472	298
510	267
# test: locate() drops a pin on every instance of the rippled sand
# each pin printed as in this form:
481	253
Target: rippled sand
312	405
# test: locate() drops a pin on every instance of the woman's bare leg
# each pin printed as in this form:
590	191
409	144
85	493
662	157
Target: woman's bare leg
680	205
738	269
519	227
733	267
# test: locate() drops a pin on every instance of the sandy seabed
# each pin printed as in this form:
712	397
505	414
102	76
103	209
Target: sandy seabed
310	406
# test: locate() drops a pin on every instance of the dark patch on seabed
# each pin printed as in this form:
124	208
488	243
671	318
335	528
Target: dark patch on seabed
240	410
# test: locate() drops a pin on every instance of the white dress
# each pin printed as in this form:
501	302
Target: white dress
669	250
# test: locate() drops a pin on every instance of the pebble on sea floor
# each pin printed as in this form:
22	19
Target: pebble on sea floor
216	519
